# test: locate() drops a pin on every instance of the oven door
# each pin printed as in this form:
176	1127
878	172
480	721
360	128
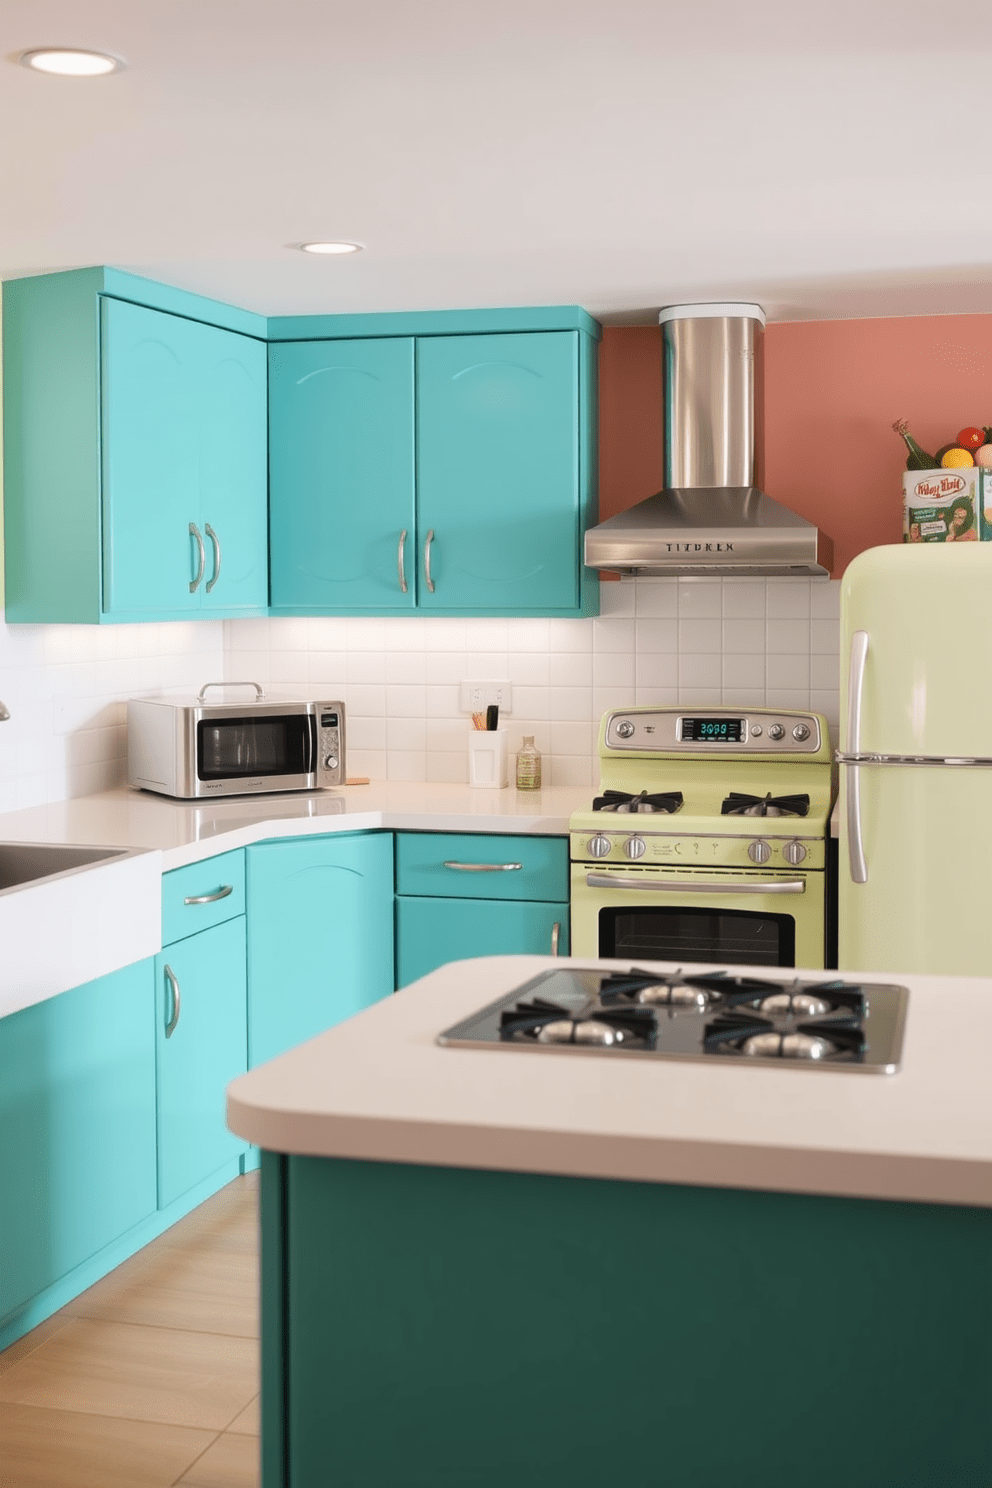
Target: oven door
726	915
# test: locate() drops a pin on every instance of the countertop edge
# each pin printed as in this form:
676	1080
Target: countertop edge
913	1179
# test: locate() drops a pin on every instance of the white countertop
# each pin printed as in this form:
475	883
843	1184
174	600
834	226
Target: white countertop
68	929
186	832
379	1087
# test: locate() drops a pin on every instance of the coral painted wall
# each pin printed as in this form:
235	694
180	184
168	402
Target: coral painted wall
832	392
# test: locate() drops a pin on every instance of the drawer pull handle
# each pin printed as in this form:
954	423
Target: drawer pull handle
484	867
555	936
173	981
210	898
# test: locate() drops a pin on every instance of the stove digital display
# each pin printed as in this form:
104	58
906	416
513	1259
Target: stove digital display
713	730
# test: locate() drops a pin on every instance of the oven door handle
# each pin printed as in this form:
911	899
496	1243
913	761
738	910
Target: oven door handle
698	886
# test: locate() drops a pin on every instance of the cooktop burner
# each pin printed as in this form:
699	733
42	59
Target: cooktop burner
659	801
711	1016
739	804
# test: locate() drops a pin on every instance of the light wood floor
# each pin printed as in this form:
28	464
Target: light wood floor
151	1377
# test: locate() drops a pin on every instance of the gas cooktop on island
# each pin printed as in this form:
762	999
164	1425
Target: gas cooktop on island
821	1024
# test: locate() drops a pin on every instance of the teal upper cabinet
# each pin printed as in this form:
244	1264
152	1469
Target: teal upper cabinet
343	496
499	501
135	452
444	471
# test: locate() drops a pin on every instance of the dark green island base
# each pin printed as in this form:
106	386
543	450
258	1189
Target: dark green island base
427	1327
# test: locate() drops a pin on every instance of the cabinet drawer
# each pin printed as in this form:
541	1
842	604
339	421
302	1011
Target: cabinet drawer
201	895
436	865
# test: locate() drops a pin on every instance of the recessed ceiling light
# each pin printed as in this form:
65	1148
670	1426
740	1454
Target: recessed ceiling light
70	61
331	247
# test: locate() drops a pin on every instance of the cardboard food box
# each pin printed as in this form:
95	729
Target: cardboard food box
947	505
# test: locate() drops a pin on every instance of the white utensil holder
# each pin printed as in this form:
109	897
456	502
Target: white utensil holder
488	759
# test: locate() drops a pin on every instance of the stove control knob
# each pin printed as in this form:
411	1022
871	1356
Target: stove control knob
776	731
793	852
600	846
634	847
801	731
624	728
759	852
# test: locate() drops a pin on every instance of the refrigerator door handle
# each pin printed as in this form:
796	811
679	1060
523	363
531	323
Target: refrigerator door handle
855	691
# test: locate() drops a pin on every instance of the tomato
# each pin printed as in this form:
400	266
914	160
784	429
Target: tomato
971	438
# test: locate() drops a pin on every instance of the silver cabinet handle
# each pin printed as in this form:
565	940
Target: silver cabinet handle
201	695
216	542
173	981
700	886
194	531
399	561
855	693
427	560
210	898
485	867
555	936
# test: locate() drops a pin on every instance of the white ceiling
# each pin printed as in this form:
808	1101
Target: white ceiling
827	159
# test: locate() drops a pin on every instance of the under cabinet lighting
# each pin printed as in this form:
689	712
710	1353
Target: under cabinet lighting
70	61
330	248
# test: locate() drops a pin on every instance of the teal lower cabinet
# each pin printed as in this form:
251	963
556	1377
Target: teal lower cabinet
201	1045
447	1328
320	942
431	932
77	1131
460	895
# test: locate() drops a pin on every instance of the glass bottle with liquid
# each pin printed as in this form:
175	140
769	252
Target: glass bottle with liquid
528	765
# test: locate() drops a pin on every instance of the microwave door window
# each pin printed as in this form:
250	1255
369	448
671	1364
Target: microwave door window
737	937
236	748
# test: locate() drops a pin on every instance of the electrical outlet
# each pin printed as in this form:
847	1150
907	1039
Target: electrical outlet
478	695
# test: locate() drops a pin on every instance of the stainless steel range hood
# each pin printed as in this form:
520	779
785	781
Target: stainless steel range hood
711	518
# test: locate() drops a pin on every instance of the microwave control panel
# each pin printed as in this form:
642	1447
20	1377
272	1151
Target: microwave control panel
330	744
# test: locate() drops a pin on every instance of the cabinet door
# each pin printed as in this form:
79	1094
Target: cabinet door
184	442
320	936
497	471
77	1117
342	481
150	464
233	445
430	932
201	1020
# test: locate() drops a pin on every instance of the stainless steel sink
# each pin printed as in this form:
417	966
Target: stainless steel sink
26	862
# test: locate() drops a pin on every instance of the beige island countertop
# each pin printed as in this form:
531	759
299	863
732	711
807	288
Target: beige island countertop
380	1088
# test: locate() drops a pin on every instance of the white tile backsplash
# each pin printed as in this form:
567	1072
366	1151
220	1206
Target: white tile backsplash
751	642
67	686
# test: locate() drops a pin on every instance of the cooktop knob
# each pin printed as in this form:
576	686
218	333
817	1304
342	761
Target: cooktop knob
331	762
801	731
600	846
634	847
793	852
759	852
625	728
776	731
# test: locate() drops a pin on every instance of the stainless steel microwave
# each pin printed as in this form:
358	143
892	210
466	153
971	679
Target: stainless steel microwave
191	749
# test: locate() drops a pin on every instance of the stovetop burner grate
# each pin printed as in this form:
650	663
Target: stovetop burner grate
664	802
709	1016
739	803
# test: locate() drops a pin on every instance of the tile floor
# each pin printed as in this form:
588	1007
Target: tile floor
150	1378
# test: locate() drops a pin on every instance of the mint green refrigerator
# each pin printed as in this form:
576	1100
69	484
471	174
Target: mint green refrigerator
915	762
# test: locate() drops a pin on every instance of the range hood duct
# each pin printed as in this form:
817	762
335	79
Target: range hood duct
712	517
